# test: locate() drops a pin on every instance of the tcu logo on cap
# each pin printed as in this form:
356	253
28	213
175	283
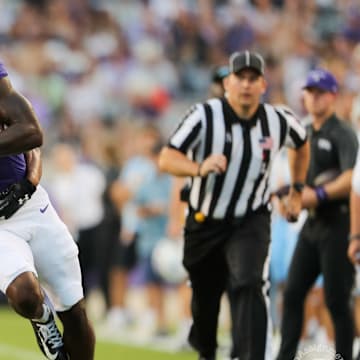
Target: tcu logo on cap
321	79
317	75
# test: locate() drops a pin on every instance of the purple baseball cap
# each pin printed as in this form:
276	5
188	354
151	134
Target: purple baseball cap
321	79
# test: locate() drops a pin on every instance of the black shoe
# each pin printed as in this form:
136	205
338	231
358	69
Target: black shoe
49	339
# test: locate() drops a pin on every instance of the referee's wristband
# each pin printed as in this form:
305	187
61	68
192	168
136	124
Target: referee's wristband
354	237
321	194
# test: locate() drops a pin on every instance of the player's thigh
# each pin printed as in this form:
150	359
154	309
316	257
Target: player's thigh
56	259
15	258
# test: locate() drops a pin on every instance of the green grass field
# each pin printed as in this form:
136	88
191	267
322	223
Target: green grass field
17	342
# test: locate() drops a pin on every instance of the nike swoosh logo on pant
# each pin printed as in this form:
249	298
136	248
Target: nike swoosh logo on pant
42	210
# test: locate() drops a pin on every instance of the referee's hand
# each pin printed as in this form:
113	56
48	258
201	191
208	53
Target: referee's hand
293	206
215	163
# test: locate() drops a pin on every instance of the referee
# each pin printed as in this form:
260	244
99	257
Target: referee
226	146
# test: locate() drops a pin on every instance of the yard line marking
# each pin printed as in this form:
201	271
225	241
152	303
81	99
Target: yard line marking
18	353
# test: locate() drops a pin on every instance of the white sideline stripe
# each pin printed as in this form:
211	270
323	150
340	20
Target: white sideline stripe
19	353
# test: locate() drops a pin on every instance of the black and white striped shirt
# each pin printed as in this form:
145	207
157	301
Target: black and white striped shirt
249	146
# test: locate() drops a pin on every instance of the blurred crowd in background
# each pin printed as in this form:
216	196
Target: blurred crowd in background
109	80
101	63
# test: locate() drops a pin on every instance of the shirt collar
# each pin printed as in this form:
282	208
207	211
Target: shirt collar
327	125
230	115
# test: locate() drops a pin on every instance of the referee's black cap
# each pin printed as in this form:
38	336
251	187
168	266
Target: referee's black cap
246	60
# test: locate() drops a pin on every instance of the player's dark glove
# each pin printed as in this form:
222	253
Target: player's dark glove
14	197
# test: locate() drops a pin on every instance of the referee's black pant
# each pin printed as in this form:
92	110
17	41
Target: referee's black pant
219	254
321	248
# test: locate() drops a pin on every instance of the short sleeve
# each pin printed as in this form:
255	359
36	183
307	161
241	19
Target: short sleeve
187	134
295	134
347	144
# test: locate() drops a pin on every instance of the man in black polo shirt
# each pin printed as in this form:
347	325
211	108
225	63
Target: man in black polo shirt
323	241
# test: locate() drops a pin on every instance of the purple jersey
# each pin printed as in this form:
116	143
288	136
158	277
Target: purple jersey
12	167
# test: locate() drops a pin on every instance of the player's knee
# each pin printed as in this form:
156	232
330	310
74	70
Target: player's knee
28	303
24	295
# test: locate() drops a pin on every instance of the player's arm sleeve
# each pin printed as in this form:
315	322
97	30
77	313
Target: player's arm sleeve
188	133
294	132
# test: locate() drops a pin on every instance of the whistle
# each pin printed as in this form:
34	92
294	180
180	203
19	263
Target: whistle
199	217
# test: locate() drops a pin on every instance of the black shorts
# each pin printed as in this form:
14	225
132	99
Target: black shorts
124	256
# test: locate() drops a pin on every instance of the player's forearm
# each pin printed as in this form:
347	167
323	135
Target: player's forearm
174	162
21	130
34	166
299	163
340	187
19	138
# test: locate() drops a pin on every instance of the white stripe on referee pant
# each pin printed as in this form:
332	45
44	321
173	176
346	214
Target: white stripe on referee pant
265	289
